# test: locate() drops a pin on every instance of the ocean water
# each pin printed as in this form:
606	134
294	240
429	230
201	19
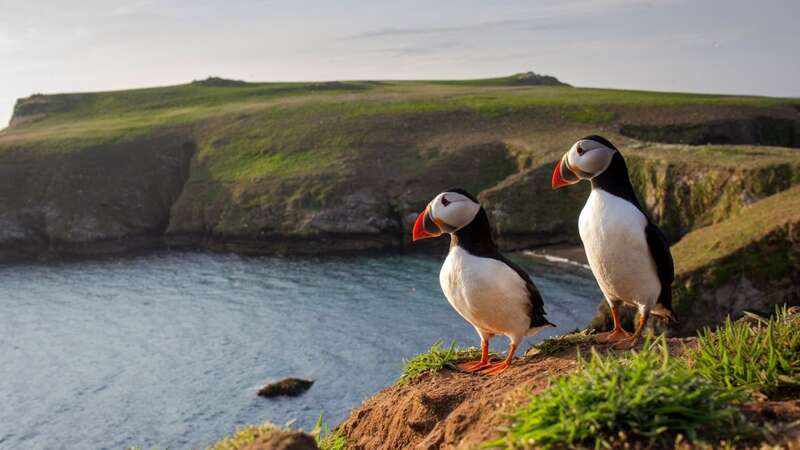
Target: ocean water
169	349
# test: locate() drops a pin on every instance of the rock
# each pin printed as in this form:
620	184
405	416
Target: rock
284	440
219	82
291	387
535	79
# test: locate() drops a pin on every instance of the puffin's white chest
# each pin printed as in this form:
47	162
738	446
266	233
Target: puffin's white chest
613	234
487	293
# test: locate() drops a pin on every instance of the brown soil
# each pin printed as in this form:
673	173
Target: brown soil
455	410
449	409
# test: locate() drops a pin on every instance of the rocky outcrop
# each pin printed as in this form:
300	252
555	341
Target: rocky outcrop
219	82
535	79
38	106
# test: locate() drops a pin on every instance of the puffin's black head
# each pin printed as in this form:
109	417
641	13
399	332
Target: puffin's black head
448	212
588	158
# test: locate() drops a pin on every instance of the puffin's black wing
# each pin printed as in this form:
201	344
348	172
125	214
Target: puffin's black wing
659	249
537	304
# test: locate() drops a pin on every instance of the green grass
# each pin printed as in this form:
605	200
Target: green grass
557	344
327	439
728	156
436	359
646	396
717	243
333	441
761	355
75	121
591	116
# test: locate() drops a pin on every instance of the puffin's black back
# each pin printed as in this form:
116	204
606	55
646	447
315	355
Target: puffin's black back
476	238
615	180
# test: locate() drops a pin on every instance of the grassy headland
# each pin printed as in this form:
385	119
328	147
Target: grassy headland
341	166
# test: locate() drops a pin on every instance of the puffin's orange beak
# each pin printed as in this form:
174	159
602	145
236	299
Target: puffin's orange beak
563	175
425	227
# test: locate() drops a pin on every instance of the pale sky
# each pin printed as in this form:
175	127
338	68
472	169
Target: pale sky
734	46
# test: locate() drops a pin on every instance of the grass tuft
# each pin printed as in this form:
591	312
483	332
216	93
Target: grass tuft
760	355
436	359
327	439
557	344
646	396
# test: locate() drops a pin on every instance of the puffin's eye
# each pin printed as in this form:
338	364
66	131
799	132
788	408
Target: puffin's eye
580	150
445	201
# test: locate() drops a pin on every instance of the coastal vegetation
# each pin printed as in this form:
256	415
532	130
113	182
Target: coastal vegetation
761	355
647	395
719	390
436	359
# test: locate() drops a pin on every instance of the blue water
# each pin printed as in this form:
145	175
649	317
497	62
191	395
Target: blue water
168	349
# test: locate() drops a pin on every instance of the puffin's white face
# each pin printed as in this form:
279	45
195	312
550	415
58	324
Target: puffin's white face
448	212
586	159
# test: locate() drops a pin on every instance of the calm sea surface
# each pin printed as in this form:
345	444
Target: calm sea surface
168	349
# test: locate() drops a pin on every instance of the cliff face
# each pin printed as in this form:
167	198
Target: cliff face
753	130
685	194
108	199
364	203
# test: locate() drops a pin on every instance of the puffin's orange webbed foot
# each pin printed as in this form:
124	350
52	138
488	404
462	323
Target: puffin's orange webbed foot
630	342
616	335
473	366
626	343
496	369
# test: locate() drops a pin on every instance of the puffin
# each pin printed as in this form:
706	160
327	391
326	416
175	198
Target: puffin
628	254
496	296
